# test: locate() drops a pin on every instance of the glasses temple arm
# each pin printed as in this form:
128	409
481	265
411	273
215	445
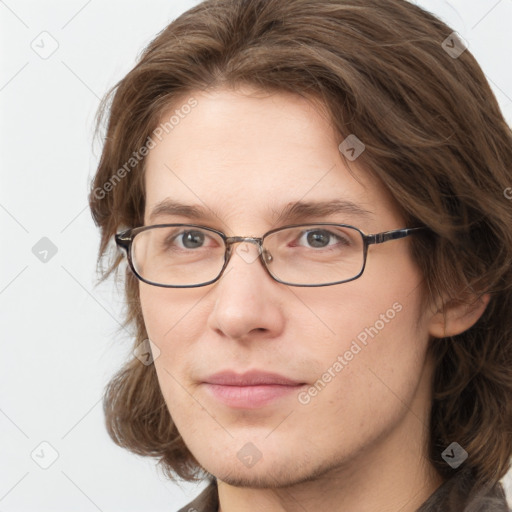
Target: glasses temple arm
391	235
123	239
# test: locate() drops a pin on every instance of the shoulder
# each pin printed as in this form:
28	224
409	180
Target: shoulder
460	494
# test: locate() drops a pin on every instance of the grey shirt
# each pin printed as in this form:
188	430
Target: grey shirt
457	494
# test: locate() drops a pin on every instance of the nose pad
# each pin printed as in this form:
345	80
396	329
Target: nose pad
267	256
248	251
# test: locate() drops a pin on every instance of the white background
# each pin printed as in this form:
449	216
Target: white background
61	339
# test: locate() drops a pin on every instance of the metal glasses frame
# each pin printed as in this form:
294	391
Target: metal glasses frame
125	239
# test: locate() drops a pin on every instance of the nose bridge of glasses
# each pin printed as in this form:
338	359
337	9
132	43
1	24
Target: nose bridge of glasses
238	239
243	249
244	239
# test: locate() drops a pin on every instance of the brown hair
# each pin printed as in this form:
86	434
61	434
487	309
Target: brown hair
434	135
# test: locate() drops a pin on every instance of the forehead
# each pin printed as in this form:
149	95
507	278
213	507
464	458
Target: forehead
246	155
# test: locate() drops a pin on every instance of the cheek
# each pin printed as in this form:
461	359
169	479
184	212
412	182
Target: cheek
170	314
175	321
172	323
383	302
367	376
377	340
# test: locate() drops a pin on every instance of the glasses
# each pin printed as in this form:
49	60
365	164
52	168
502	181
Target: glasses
189	255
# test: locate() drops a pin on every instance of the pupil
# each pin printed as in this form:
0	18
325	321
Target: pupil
193	239
318	238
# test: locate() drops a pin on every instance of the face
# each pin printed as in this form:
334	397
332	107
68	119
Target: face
356	350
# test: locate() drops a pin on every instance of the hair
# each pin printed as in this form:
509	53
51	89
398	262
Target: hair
433	134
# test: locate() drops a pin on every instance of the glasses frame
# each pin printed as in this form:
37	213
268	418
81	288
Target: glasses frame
124	240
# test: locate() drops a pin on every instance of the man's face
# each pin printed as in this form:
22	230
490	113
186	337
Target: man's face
357	349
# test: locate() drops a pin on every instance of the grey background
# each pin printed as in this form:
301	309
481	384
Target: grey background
61	339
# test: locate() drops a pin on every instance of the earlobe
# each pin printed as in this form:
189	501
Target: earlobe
455	317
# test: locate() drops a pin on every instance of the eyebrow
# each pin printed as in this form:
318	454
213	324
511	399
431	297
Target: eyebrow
173	207
292	212
299	211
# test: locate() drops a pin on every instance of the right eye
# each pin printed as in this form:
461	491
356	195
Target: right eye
191	239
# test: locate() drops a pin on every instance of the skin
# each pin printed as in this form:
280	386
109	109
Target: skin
360	443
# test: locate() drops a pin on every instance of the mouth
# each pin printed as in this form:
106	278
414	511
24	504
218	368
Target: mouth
250	390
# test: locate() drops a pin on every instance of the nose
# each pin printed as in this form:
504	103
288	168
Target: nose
247	301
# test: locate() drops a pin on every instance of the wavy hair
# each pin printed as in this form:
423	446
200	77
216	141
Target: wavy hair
434	136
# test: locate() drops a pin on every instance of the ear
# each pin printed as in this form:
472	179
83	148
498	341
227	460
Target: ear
454	317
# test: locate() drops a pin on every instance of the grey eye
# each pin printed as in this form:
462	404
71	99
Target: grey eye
192	239
318	238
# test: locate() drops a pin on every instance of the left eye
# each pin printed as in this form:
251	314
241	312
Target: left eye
319	238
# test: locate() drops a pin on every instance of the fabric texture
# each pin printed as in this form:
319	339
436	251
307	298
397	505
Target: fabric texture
458	494
207	501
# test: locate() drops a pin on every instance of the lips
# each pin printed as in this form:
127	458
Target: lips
252	378
250	390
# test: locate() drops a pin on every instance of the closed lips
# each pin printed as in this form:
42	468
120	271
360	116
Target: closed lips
252	378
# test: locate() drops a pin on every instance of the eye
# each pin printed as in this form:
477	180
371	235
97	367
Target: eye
319	238
191	239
